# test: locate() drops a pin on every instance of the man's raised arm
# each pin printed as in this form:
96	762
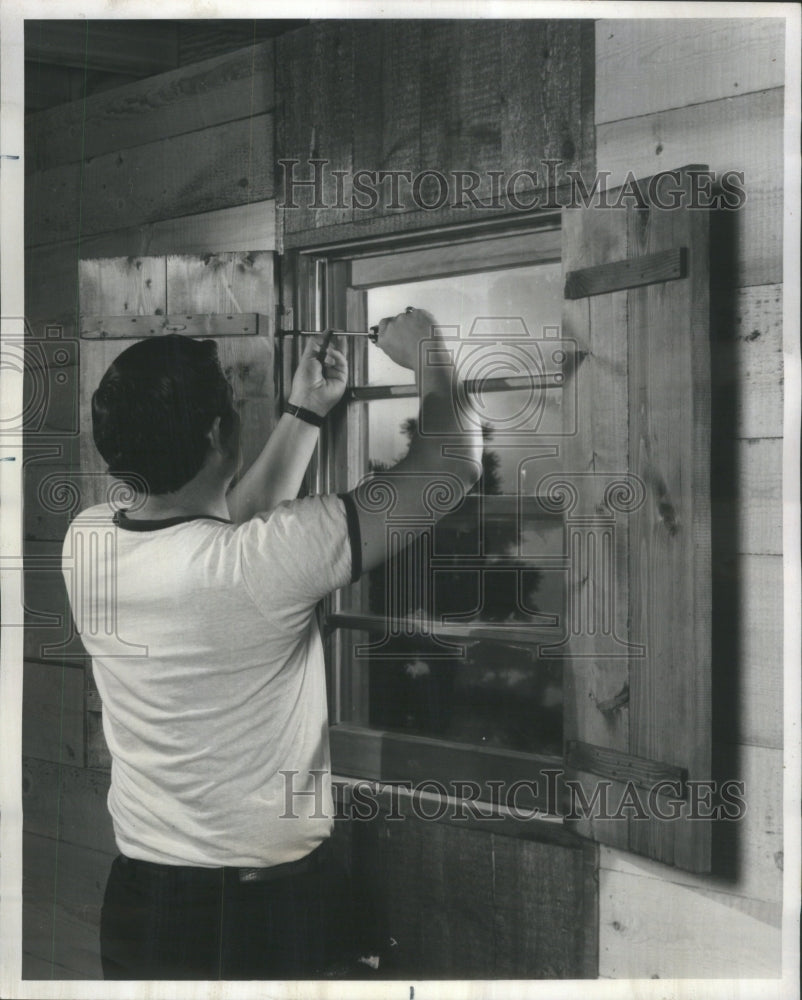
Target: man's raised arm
444	458
279	469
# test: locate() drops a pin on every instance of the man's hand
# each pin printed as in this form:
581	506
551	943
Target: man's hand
400	336
315	386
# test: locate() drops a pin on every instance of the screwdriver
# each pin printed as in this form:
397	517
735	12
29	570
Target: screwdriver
372	335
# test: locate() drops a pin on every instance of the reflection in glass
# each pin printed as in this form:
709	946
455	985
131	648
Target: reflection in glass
490	572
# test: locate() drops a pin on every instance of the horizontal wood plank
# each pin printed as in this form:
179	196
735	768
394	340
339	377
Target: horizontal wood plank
222	283
211	92
198	172
127	286
647	65
747	363
619	766
385	756
67	803
62	894
53	713
647	269
748	649
747	503
411	265
748	853
48	621
51	272
137	46
652	929
742	134
197	325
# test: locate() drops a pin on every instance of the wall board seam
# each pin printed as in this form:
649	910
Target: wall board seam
684	107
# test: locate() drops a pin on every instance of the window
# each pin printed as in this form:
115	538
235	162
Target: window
558	620
440	646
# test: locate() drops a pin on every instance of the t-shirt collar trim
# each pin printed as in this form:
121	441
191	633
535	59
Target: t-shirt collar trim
122	520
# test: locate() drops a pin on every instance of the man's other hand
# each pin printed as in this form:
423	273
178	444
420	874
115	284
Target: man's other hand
400	336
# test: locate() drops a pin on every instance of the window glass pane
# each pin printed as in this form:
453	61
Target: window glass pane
481	680
461	617
500	324
388	423
469	303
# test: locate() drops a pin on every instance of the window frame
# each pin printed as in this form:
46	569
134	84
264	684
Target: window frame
328	287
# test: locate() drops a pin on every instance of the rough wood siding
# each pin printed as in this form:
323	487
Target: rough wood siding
415	96
459	899
723	107
120	175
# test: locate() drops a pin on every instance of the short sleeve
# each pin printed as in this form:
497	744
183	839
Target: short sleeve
302	550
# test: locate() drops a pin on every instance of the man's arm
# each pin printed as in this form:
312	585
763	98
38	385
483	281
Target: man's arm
444	460
278	471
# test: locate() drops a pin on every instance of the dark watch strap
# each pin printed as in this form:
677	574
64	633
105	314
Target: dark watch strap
309	416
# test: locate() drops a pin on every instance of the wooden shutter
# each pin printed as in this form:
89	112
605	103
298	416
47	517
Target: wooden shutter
636	499
227	296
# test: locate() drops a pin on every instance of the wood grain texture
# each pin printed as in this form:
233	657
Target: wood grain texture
653	928
140	46
747	363
431	95
53	713
67	804
605	278
48	622
541	911
669	536
463	258
460	123
748	649
62	894
194	325
315	78
747	496
742	134
198	96
387	119
649	65
598	328
748	853
135	286
221	283
547	77
444	901
229	164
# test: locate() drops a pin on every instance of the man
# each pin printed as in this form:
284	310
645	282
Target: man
221	685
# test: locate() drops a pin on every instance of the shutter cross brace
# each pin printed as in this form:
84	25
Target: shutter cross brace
667	265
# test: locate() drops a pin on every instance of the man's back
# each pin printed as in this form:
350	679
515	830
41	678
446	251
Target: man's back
222	684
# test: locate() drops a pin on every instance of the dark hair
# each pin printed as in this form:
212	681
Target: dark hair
154	407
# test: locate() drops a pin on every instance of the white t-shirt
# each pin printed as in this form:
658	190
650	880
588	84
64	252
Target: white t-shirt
209	664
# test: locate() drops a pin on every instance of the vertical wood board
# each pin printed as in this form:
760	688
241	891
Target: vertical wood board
669	536
598	451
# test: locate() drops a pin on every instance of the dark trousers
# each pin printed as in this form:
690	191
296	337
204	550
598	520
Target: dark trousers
171	922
